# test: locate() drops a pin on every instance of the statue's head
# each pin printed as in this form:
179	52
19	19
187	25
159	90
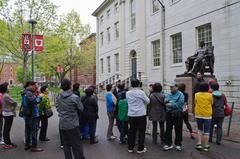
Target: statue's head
202	44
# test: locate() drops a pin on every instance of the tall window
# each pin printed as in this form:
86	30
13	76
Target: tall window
205	34
116	7
117	62
177	48
101	38
102	66
109	34
108	13
116	30
155	6
133	14
156	53
101	19
109	64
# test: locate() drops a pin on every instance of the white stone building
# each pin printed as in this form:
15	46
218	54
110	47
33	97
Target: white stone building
141	38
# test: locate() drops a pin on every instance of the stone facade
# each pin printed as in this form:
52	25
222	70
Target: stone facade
217	22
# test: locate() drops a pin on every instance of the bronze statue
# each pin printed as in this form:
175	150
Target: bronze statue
201	61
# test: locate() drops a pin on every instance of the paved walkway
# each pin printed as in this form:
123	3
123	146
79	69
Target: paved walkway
112	150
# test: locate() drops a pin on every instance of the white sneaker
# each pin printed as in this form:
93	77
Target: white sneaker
2	143
166	147
143	151
112	138
178	148
130	151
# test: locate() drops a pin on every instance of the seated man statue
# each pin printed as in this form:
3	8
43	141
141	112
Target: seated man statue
197	62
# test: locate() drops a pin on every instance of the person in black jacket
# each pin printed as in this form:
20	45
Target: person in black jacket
218	113
182	87
90	113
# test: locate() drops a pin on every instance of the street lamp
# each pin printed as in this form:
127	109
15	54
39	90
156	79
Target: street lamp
33	23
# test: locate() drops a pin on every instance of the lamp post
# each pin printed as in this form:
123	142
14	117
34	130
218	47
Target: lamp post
33	23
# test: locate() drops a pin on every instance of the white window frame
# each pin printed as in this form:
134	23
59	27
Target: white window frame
108	13
116	25
102	38
152	7
102	66
133	20
206	32
116	7
154	52
109	64
117	62
175	50
101	19
109	34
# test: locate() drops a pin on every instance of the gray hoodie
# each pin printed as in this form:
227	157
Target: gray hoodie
68	106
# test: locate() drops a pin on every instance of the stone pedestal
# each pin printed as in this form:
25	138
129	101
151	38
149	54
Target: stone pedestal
190	82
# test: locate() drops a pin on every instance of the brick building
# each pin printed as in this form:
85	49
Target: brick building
8	73
86	77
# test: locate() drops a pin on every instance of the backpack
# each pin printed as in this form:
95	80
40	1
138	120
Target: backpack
123	110
24	109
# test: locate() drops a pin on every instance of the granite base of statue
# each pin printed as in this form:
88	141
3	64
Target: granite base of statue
202	61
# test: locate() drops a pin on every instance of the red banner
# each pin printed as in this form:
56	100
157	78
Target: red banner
26	42
59	69
38	43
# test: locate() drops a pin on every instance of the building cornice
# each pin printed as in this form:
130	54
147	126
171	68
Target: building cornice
105	4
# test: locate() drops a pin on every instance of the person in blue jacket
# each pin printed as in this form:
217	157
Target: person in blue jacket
174	117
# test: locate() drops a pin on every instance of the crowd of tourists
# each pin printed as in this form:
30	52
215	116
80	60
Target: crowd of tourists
134	112
132	109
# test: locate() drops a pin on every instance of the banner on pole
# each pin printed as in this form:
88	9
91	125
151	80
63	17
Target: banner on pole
26	42
59	69
38	43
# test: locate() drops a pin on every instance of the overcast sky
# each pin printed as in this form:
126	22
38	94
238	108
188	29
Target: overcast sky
84	7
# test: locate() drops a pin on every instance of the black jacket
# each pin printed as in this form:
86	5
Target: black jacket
90	111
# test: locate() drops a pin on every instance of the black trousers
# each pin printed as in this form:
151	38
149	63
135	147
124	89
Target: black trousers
44	126
137	124
219	122
72	143
8	120
175	120
92	128
31	131
123	127
186	121
154	131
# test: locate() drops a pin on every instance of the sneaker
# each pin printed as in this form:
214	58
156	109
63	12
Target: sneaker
206	148
27	148
142	151
2	143
166	147
178	148
9	146
61	146
112	138
199	147
130	151
36	149
45	140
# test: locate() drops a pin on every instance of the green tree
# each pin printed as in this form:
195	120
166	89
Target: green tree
15	22
19	73
63	48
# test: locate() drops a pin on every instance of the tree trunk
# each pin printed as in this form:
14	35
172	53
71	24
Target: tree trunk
25	59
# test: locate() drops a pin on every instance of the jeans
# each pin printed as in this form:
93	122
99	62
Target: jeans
137	124
44	126
1	127
8	120
31	131
177	122
123	128
219	122
154	131
72	143
110	125
186	121
204	125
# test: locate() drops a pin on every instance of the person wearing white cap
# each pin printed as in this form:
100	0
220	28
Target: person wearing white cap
174	117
